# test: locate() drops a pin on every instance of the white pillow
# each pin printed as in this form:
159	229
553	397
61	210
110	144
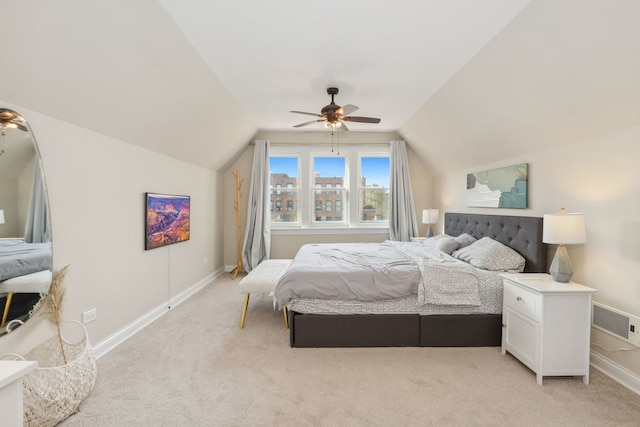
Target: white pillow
490	254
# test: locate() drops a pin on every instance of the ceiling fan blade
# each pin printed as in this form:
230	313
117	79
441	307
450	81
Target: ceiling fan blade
348	109
343	126
308	123
21	127
361	119
309	114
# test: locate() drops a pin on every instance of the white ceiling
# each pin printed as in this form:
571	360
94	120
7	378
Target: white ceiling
386	58
464	82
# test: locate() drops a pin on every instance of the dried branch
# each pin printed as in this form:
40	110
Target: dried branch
55	303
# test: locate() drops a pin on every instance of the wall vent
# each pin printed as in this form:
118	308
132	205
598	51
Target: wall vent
617	323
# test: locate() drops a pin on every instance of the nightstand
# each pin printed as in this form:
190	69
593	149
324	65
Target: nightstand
547	324
418	239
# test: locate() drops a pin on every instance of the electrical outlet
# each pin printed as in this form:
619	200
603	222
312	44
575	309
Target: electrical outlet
89	316
206	260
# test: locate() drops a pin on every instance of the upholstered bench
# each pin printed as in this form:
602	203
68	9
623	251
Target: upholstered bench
263	280
34	283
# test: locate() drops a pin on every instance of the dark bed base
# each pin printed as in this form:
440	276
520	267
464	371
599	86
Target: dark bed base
395	330
523	234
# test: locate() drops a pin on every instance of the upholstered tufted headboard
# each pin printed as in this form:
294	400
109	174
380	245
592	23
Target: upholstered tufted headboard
521	233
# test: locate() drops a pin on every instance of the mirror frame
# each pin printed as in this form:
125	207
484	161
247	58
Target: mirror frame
26	262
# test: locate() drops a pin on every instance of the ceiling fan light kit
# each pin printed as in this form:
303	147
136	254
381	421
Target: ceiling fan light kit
333	116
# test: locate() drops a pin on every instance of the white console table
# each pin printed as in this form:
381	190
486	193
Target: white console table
11	373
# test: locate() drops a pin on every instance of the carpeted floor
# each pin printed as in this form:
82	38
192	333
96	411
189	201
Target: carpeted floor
196	367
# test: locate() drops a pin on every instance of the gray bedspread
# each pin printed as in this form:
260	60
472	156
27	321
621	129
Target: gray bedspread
375	272
361	271
18	258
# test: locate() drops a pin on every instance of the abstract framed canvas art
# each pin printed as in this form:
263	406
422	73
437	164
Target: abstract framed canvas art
167	219
499	188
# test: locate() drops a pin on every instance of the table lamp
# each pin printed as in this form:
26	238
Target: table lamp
563	229
430	217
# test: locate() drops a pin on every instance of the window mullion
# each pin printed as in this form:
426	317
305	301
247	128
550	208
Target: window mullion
306	197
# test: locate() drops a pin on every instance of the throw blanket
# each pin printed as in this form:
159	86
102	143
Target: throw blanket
448	285
445	280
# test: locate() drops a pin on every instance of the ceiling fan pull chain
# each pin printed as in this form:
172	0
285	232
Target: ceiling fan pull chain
332	140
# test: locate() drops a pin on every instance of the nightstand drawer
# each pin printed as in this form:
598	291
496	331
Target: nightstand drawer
522	300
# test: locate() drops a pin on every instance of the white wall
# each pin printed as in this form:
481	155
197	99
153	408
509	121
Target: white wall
601	178
96	186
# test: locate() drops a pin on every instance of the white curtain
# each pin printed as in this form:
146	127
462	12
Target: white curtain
37	229
403	224
257	237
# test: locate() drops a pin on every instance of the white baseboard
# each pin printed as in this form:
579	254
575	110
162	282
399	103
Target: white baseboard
114	340
616	372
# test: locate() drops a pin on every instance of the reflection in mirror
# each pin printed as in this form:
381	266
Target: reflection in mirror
25	226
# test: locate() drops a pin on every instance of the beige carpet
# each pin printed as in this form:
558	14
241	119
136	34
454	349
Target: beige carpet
196	367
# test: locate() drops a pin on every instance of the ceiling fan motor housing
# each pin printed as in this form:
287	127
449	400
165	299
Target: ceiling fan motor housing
329	111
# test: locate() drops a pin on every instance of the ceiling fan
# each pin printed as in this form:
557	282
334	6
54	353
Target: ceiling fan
334	116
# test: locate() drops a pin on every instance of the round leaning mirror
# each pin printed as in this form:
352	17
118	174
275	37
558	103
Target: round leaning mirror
25	231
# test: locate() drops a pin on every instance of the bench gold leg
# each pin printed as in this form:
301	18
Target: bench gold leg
286	318
6	309
244	310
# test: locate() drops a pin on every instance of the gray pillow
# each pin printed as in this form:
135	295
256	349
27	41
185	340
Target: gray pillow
490	254
430	243
465	240
447	244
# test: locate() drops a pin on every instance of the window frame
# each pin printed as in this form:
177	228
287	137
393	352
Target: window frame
351	215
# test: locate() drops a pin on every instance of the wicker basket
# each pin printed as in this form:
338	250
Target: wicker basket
54	390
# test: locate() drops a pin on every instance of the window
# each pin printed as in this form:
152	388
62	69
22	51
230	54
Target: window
327	173
374	183
314	188
283	171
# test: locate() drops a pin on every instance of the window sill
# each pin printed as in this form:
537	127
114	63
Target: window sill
330	230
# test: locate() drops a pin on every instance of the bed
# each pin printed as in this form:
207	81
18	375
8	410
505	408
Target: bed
409	319
25	268
18	258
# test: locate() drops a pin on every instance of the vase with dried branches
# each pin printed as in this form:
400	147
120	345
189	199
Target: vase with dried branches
55	304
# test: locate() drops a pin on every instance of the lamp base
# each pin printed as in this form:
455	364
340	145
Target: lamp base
561	270
430	231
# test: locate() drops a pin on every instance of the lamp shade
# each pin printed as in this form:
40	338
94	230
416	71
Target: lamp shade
430	216
1	216
564	229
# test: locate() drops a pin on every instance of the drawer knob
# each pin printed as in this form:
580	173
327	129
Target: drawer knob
518	299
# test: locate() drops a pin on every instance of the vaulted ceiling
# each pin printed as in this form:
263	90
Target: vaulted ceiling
464	82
